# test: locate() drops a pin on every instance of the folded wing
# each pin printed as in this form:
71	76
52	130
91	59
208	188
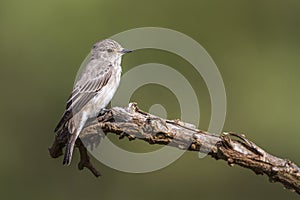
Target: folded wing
86	88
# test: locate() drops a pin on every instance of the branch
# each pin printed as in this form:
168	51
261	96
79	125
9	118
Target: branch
133	123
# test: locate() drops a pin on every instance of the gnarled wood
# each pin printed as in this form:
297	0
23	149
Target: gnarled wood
133	123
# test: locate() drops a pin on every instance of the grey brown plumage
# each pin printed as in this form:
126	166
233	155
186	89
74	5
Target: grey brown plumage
93	90
81	95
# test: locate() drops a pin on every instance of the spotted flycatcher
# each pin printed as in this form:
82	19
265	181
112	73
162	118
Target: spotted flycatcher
93	90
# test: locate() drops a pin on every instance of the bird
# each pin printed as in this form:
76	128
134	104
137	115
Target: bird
93	90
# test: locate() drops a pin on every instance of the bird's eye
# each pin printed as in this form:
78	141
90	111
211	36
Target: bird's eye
109	50
94	46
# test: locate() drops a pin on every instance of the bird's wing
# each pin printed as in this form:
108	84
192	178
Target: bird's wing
87	87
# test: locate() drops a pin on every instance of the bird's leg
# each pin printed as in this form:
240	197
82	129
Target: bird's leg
105	115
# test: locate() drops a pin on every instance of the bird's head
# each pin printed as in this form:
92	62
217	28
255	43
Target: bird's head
108	49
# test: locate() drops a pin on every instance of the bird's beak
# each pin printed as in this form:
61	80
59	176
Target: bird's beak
125	51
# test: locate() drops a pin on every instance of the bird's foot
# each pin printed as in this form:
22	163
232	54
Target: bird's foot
105	115
102	112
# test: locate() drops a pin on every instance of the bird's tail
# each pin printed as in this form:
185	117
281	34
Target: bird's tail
69	149
75	125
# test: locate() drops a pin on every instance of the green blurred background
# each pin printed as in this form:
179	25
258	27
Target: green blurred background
255	45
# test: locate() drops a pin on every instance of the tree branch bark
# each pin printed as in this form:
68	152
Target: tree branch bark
131	122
